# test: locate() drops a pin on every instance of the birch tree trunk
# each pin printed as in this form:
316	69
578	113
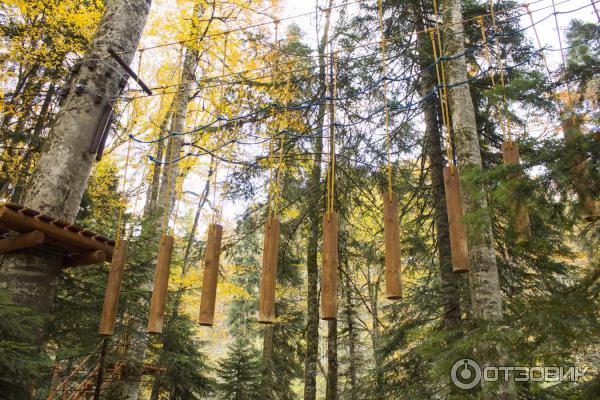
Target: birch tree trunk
61	174
486	296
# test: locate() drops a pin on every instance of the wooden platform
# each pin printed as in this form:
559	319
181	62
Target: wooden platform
22	228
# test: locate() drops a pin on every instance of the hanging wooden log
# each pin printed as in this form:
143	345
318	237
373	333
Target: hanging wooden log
23	241
113	290
581	176
458	235
393	257
268	279
329	272
211	275
161	284
510	153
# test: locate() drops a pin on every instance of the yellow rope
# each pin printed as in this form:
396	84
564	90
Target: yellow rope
441	72
272	182
278	177
169	165
385	100
442	97
503	116
562	55
333	88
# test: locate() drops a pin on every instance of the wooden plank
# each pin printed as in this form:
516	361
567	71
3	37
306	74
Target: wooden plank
73	242
329	271
23	241
393	256
211	275
113	290
268	279
161	285
458	235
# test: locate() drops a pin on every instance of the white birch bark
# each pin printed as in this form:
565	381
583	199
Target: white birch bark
486	296
61	174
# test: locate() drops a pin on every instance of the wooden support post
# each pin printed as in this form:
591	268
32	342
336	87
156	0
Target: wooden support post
211	275
268	279
87	258
55	232
510	154
393	256
329	272
581	175
113	290
161	284
24	241
458	235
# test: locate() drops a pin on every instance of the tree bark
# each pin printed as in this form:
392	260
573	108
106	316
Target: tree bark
267	363
314	217
486	296
352	336
332	362
61	174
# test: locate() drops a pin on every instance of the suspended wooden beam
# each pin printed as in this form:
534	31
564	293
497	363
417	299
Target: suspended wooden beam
23	241
510	154
211	275
458	235
268	279
329	272
113	290
161	284
581	175
70	238
87	258
393	257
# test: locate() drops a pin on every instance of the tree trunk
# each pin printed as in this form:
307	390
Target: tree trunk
486	297
267	363
433	149
332	361
314	217
61	174
352	337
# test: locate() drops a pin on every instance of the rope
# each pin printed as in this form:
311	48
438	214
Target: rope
165	216
562	55
503	116
385	101
272	178
278	178
331	178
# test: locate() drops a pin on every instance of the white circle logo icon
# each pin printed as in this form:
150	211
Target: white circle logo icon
465	374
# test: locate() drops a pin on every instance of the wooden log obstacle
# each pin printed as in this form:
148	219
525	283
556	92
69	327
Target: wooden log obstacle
520	221
329	272
211	275
393	257
113	290
458	235
161	284
268	279
581	175
23	228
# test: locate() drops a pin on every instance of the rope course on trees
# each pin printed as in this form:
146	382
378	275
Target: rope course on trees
81	247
